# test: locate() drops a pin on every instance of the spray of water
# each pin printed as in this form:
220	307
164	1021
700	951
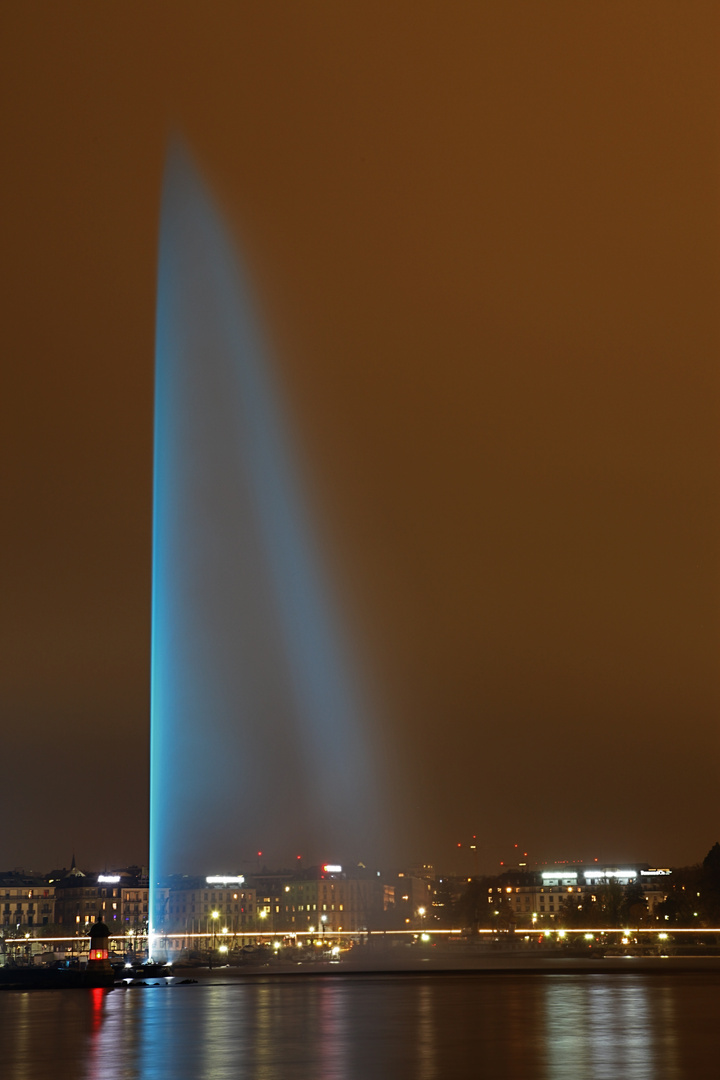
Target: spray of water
257	735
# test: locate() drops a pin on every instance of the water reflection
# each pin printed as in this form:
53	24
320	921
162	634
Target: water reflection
602	1028
426	1067
543	1027
102	1028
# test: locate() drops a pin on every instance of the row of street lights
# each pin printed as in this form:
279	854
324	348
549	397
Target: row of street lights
215	915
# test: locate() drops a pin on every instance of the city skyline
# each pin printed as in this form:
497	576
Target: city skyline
352	899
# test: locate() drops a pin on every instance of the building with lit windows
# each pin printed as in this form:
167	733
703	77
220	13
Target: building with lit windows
325	897
81	898
25	906
216	903
134	907
119	898
535	897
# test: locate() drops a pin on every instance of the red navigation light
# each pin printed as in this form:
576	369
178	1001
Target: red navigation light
97	994
98	954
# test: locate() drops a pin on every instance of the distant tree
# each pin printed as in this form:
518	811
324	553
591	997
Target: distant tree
682	901
609	901
711	867
574	910
633	908
471	910
504	915
709	888
485	904
601	907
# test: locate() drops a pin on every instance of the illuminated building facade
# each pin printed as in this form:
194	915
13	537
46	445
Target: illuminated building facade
190	910
134	907
536	897
27	905
331	899
119	898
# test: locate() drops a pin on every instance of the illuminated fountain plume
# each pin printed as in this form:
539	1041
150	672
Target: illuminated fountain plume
254	724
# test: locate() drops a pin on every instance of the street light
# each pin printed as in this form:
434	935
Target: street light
214	915
421	913
323	920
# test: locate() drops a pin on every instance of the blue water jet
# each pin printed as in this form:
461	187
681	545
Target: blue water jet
257	733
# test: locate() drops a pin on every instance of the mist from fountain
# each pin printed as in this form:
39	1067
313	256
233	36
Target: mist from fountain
258	735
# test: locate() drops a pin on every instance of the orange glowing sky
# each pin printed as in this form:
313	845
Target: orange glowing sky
485	240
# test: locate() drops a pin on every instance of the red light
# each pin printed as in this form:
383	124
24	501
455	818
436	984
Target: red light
97	1003
259	854
300	857
98	954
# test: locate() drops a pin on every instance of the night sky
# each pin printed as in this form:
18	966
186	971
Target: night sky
485	243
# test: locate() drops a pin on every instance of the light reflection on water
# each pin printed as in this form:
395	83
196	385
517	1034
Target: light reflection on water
544	1027
607	1029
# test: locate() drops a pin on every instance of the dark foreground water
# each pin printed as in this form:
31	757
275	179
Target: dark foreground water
435	1027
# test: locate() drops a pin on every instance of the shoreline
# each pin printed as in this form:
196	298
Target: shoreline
625	965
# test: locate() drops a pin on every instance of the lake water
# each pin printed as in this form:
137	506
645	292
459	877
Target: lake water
371	1027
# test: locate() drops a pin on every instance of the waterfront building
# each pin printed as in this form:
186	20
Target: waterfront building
327	897
26	906
209	906
134	906
117	897
536	897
